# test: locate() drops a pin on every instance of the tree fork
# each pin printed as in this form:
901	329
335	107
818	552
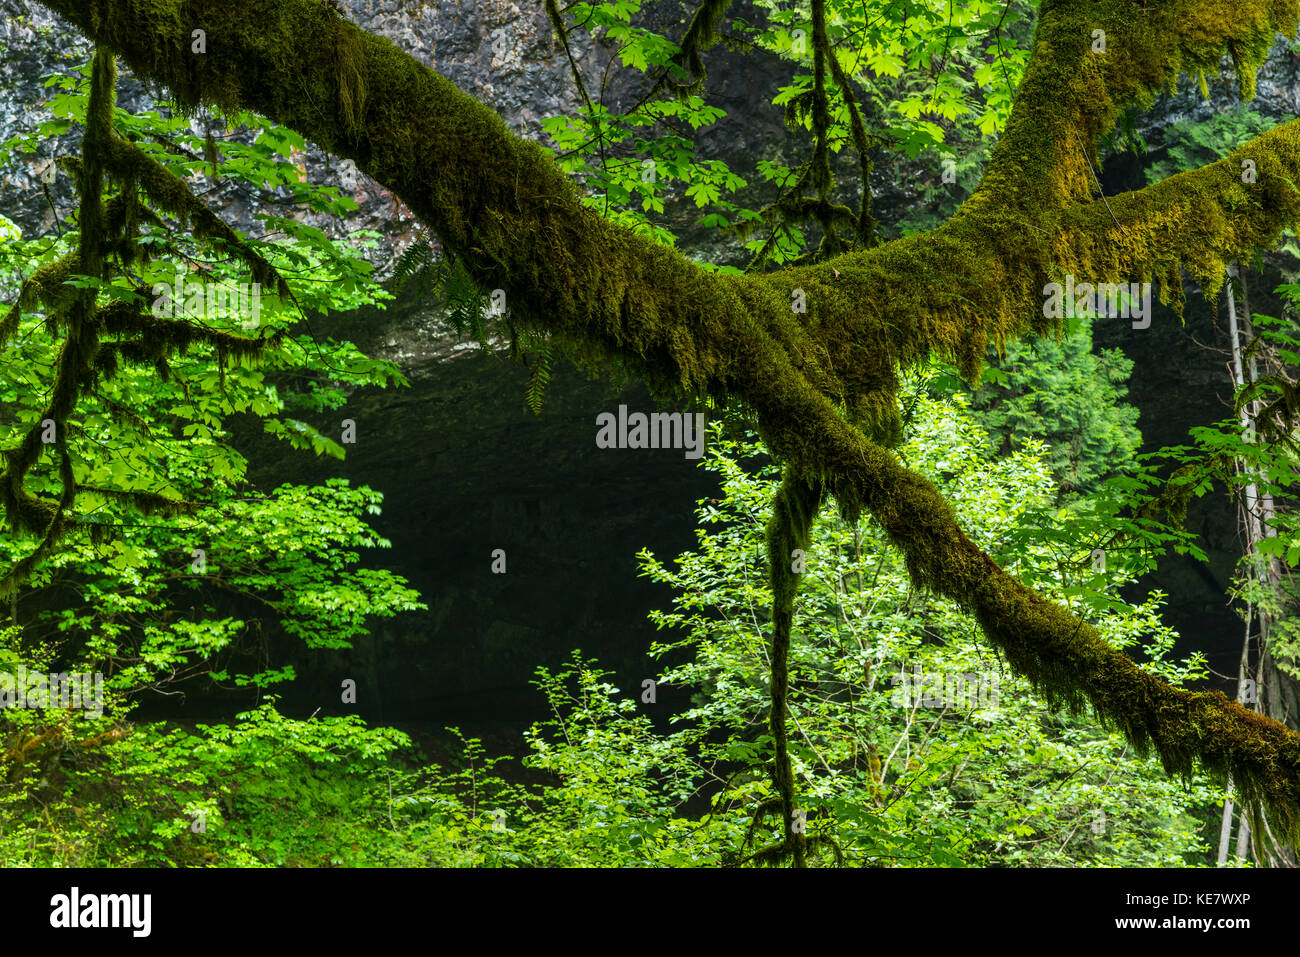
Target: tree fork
517	222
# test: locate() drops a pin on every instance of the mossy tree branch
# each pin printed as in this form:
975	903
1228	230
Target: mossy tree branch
517	224
106	230
1093	59
701	34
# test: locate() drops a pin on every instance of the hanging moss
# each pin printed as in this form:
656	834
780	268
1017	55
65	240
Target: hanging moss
793	512
172	195
700	35
44	287
79	347
105	229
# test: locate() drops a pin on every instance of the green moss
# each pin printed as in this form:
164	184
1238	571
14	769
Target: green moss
104	229
793	512
44	286
517	224
81	342
172	195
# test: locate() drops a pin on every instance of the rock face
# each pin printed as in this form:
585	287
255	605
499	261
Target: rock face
466	470
33	43
502	53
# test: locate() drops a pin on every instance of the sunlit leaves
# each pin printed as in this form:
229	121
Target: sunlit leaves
148	604
930	77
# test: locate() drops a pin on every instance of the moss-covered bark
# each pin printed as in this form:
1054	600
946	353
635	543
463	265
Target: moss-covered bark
98	337
517	223
790	528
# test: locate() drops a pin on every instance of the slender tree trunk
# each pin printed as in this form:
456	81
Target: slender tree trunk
1257	512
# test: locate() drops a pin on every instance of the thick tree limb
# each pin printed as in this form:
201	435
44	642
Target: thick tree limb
500	204
1092	59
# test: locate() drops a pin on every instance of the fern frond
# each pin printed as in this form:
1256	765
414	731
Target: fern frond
535	394
417	263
